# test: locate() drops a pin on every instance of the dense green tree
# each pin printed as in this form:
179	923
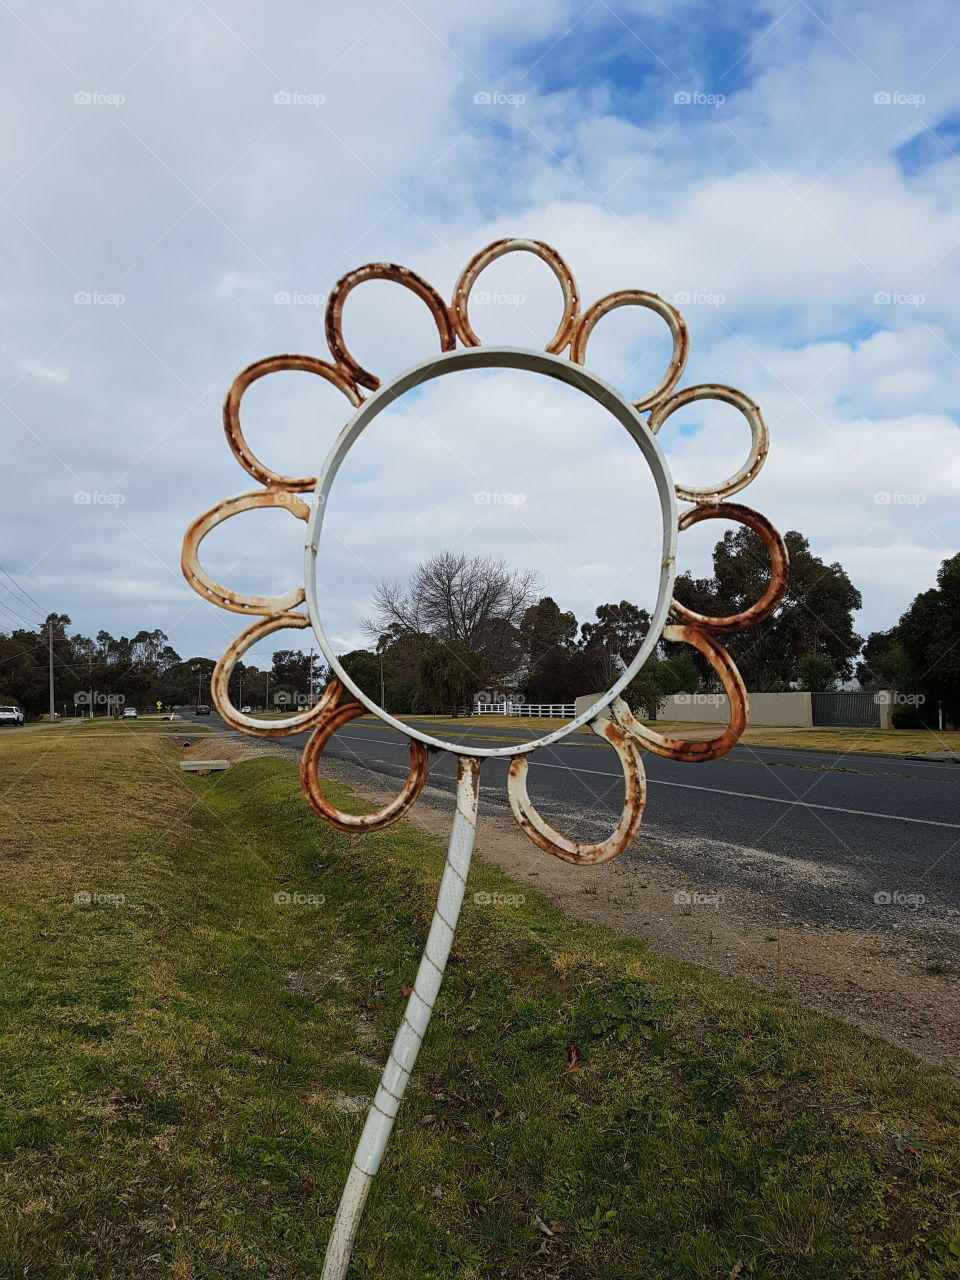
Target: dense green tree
363	667
929	634
551	660
883	663
608	645
545	627
450	675
816	673
815	616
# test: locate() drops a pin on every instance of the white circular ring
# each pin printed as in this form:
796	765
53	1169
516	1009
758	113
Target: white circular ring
533	362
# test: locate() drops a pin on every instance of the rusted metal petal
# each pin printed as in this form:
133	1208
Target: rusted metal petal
693	752
551	841
220	684
334	719
638	298
396	275
231	413
200	580
779	567
547	254
759	439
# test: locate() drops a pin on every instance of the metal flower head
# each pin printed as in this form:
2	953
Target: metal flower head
461	349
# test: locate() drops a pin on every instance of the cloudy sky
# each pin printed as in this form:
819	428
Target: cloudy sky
183	184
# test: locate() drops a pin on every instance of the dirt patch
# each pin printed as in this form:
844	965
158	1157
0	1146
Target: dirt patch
231	747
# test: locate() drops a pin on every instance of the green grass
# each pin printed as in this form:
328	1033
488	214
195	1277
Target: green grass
165	1082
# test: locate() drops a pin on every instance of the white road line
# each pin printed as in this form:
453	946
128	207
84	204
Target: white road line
716	791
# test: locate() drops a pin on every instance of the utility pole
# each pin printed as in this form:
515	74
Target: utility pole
383	706
266	696
53	713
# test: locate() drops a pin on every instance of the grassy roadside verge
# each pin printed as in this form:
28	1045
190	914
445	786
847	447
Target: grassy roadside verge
179	1058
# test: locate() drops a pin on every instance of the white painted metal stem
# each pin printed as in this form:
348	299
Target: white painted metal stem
406	1046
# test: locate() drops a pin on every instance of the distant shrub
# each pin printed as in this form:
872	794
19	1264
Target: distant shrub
906	717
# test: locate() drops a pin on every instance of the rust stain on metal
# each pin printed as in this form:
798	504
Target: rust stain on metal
550	841
201	581
231	413
695	751
638	298
779	567
333	719
546	253
396	275
759	436
223	671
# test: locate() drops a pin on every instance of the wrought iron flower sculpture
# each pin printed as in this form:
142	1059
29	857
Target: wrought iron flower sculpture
461	349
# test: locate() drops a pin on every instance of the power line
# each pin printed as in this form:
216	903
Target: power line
36	619
29	621
26	594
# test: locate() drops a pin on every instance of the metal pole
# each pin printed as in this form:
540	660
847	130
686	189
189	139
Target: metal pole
406	1046
53	713
266	698
382	703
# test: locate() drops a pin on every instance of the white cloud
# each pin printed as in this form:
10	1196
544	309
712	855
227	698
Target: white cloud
199	199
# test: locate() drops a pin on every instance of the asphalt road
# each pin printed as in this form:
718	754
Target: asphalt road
813	836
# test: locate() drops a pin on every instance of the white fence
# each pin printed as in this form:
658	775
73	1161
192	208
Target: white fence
563	709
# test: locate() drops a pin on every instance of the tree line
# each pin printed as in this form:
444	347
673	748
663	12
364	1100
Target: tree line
463	624
108	672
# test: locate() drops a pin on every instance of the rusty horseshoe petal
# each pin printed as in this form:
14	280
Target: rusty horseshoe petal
693	752
220	684
201	581
231	413
779	567
759	440
551	841
397	275
546	253
310	781
638	298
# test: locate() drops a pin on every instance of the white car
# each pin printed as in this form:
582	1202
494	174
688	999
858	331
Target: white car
245	711
129	713
11	715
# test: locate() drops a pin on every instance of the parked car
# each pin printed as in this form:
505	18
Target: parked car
202	709
245	711
11	715
129	713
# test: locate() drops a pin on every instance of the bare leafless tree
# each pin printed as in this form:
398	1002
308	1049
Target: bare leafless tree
454	596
